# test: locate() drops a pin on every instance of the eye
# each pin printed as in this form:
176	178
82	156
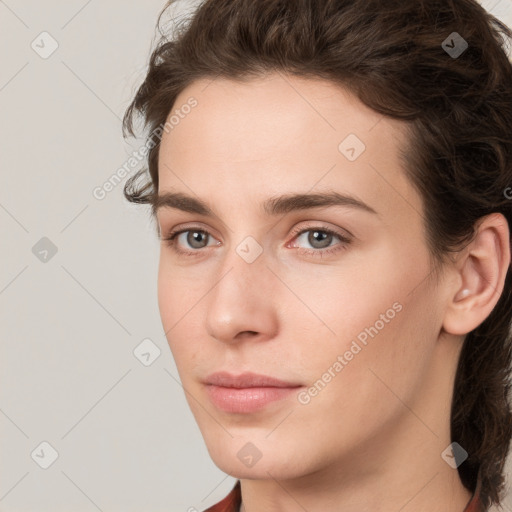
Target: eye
320	239
194	238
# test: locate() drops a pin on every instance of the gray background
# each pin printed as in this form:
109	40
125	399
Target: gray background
125	438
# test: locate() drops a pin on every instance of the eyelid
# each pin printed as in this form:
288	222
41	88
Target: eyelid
319	227
185	226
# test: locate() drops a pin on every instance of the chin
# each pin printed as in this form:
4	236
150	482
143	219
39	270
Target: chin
262	470
244	460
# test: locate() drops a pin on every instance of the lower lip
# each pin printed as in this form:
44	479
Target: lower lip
246	400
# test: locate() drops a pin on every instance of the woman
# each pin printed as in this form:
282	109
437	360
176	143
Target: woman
329	181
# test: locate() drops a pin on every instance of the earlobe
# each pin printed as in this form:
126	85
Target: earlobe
482	268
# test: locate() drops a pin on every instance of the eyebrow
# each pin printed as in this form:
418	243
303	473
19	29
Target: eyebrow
272	207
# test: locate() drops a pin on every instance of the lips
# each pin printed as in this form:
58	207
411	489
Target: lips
248	392
247	380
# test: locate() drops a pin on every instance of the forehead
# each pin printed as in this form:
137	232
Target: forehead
256	117
262	136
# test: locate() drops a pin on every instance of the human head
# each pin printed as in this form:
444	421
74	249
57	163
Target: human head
456	114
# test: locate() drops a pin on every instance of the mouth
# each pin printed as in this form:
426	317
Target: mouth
248	392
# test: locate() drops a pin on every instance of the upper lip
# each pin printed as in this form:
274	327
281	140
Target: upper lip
247	380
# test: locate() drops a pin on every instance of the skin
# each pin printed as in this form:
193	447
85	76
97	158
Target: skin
372	438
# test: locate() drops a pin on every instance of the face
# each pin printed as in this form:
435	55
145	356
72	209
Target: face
330	296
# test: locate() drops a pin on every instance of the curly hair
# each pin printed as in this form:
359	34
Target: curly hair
395	57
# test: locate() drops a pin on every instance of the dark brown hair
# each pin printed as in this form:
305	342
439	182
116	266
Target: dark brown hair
458	110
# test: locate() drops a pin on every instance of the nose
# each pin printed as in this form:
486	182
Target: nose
242	302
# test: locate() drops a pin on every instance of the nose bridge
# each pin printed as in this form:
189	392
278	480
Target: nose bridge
240	299
243	266
242	275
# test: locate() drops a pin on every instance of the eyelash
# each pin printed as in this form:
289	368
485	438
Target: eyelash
170	241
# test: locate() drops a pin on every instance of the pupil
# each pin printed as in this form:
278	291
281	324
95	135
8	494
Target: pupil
196	237
322	236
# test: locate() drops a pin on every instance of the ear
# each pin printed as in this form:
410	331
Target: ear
480	268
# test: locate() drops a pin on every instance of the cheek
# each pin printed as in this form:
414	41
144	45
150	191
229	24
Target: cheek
166	299
338	304
375	317
172	300
366	390
180	295
178	290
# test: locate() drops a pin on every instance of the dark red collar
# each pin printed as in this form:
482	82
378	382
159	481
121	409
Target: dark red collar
475	503
231	503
